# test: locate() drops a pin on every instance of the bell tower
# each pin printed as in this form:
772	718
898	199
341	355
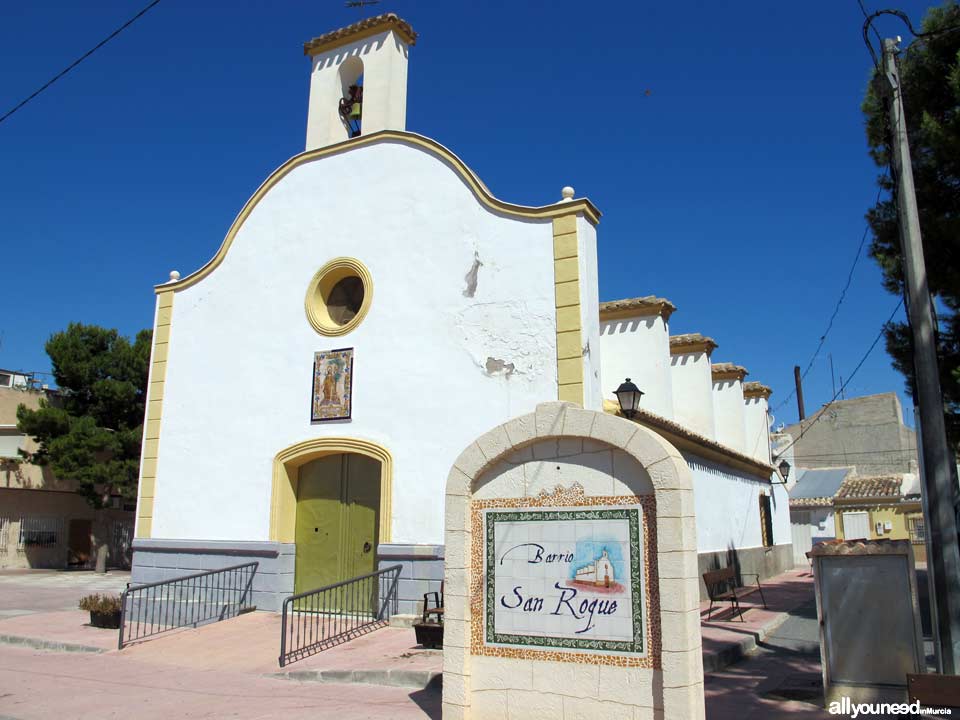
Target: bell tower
358	80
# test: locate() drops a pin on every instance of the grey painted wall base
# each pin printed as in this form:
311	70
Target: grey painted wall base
422	572
422	565
158	559
765	561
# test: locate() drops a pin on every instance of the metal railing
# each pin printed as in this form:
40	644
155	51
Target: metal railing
189	601
319	619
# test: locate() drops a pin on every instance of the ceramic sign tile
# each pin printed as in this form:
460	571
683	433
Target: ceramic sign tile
563	578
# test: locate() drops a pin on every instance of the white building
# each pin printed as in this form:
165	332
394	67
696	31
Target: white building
460	311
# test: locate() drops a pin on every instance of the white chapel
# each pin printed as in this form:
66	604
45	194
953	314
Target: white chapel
403	310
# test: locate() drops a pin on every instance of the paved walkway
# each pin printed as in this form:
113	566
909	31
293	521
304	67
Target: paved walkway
781	677
230	668
25	592
727	638
36	685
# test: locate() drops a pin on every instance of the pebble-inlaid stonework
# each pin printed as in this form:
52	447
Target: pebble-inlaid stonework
573	496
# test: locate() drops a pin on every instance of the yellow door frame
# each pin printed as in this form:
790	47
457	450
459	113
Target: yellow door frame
283	496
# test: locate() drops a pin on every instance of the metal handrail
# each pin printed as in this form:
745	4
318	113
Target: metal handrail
152	608
318	619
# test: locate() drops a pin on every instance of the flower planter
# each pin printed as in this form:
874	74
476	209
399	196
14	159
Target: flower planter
105	619
430	635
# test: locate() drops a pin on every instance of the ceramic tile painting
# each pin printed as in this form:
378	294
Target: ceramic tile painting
565	578
332	385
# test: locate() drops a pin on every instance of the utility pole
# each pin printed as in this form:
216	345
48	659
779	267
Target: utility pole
938	482
799	384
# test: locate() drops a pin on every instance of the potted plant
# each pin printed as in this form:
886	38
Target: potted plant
104	610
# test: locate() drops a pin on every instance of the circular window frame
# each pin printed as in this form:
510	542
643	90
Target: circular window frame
319	289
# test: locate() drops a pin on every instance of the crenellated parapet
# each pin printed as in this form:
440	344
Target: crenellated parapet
635	344
755	389
691	343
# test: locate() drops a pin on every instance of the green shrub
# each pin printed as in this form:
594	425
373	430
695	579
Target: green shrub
100	603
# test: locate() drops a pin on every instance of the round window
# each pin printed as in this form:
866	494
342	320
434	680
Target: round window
338	296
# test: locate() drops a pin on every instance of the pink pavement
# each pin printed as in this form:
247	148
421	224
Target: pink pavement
204	672
66	627
725	631
36	685
250	644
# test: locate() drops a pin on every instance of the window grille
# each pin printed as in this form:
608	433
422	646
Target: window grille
918	533
121	538
4	532
40	532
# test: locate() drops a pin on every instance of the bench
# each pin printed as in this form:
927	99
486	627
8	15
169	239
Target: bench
723	584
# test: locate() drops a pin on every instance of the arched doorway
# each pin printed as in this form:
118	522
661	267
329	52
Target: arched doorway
337	519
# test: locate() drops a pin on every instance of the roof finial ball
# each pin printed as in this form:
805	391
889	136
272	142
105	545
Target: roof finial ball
567	193
174	276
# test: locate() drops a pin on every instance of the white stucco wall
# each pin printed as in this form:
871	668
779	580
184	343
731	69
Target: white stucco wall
757	428
384	58
692	390
421	388
728	507
638	348
821	522
728	415
590	315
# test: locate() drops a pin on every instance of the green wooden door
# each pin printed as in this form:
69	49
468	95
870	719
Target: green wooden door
319	524
362	515
338	511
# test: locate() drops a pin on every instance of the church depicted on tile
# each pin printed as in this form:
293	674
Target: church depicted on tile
400	310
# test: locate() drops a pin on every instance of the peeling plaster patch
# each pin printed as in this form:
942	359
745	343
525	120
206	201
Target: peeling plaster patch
496	366
586	350
512	331
471	277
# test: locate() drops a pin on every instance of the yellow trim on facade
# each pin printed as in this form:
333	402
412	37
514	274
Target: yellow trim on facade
283	496
566	280
151	429
566	211
319	289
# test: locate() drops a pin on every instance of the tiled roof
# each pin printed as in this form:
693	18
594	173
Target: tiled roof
756	389
728	371
806	502
873	488
658	422
363	28
639	306
881	546
691	343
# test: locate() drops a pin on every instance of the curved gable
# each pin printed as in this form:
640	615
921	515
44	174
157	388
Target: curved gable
424	144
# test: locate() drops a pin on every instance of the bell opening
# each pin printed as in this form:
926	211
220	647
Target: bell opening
351	102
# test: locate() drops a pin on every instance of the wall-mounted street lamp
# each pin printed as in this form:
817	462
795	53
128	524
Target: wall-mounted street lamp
628	395
784	468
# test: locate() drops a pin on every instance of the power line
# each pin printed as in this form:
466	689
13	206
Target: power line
836	309
79	60
822	412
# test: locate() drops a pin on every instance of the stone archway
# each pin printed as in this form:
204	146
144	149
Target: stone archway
584	466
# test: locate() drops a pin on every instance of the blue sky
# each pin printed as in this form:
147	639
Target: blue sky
736	188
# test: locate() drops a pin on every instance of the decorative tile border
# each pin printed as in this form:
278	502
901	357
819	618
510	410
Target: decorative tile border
632	515
567	497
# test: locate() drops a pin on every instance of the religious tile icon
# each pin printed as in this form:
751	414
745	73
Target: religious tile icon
332	385
565	579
